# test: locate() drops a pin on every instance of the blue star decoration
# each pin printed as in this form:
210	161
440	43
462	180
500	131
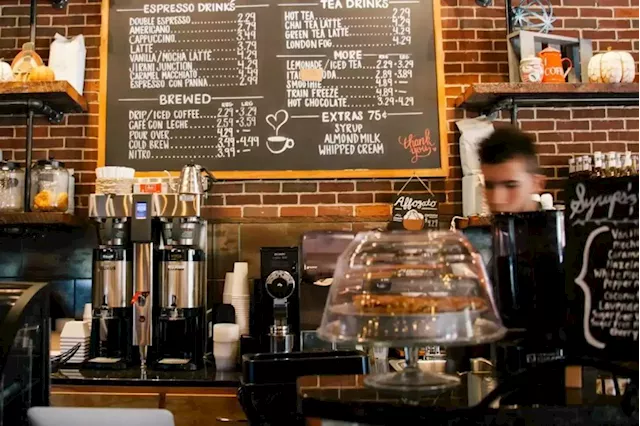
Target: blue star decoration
536	15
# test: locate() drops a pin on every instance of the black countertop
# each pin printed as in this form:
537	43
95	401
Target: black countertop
346	398
205	377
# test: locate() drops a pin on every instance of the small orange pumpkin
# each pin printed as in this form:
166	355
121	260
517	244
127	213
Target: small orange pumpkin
42	73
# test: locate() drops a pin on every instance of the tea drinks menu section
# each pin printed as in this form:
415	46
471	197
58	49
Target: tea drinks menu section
602	266
231	85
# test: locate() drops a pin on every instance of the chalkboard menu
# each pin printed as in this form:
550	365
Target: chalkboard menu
340	88
602	266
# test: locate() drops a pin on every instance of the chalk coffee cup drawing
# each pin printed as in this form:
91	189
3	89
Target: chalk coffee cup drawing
278	144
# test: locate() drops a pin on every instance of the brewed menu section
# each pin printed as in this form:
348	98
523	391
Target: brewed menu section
274	86
602	265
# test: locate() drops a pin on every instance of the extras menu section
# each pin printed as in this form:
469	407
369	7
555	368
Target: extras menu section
273	86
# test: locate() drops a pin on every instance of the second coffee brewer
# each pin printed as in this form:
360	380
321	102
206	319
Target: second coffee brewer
182	280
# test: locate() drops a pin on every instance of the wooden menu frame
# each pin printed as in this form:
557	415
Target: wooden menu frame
442	171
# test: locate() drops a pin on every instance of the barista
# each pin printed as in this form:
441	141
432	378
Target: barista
512	176
511	173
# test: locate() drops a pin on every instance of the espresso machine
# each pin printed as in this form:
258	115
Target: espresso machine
111	344
275	321
529	290
319	252
182	275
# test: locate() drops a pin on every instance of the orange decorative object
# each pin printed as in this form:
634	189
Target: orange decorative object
41	73
25	61
552	61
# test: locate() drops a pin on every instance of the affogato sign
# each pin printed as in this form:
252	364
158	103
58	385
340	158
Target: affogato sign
414	212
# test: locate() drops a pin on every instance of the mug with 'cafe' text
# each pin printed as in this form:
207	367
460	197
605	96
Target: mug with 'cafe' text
552	61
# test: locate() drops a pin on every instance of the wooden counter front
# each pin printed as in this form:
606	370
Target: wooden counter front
191	406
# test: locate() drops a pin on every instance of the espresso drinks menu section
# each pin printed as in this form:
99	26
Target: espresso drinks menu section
602	265
272	86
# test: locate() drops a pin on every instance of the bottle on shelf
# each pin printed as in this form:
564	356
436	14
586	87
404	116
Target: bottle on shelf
579	166
634	164
598	165
620	163
611	167
572	167
586	166
627	166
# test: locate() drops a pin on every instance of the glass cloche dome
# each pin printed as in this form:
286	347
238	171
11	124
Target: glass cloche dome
408	289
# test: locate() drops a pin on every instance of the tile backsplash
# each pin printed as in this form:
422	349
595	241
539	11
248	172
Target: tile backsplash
61	257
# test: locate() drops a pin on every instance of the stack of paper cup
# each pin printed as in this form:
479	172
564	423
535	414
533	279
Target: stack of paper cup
226	339
87	315
239	295
240	278
228	288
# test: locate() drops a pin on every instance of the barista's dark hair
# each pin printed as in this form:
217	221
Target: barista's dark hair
507	143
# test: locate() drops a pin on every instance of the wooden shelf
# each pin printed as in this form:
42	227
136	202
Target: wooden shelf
492	97
59	96
41	218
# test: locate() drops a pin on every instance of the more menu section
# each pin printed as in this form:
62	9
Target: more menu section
324	85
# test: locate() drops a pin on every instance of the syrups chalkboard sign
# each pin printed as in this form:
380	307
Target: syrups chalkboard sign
250	89
602	268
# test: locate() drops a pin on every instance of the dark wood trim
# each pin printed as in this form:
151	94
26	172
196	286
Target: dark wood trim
226	392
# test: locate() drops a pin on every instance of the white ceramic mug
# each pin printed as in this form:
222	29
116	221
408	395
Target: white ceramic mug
531	70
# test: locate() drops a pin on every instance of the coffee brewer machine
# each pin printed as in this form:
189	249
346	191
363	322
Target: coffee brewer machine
111	344
276	308
182	281
161	296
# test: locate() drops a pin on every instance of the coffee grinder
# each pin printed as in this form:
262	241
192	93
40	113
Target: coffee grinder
182	277
111	340
276	304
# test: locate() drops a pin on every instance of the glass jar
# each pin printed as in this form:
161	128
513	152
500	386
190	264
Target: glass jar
11	188
49	186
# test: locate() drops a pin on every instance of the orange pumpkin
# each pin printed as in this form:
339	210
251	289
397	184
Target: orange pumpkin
42	73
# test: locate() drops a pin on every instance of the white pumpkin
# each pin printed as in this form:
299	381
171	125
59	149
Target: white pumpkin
613	66
6	74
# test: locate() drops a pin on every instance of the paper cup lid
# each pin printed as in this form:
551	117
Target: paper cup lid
226	332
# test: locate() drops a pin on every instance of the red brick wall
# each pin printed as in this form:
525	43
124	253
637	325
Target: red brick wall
475	51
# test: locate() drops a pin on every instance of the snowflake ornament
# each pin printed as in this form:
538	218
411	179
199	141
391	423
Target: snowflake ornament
535	15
